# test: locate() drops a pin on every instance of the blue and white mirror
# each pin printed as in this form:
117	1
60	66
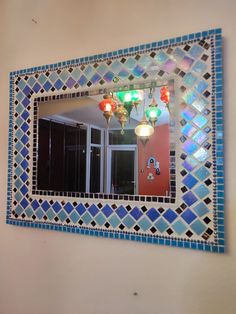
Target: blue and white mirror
70	171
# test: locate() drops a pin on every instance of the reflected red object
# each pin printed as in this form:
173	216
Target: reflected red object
165	94
108	105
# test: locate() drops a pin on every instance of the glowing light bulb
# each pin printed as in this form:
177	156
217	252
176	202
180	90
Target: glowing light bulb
127	97
107	107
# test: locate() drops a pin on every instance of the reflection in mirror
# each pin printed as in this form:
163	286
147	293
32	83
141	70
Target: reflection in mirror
115	143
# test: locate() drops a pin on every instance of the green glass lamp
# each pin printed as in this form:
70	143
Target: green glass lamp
152	113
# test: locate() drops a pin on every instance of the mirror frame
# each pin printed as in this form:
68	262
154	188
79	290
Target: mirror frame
194	217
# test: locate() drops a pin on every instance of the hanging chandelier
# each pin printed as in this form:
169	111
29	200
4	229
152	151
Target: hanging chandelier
165	96
153	112
130	99
123	104
144	130
108	106
122	115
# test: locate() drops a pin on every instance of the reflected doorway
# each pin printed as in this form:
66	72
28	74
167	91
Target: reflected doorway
121	170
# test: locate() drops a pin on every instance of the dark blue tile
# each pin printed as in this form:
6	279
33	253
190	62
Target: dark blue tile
189	198
153	214
68	208
190	181
121	212
170	215
188	216
56	206
93	210
35	204
45	206
107	211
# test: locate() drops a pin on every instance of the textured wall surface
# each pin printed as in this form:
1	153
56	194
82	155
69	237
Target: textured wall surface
44	272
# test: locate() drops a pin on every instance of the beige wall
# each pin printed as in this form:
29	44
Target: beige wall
44	272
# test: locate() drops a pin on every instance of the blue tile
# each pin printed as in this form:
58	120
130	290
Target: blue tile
190	181
56	207
68	207
179	227
62	215
202	173
107	211
189	198
188	216
121	212
170	215
35	204
198	227
93	210
153	214
128	222
201	191
136	213
45	206
161	225
144	224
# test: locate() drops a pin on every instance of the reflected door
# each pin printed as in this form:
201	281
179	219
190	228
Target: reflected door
121	171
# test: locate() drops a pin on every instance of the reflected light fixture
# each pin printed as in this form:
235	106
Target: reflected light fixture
108	106
122	115
152	112
130	99
165	96
144	130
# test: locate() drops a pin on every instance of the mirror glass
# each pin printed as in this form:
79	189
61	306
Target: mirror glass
85	146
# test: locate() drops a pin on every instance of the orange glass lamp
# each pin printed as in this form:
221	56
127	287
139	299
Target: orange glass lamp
165	96
108	106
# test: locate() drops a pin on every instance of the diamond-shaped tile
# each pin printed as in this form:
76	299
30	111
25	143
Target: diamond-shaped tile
179	227
121	212
114	221
144	224
188	216
128	221
202	173
107	210
93	210
62	215
153	214
198	227
189	198
136	213
74	217
170	215
190	181
100	219
161	225
201	191
87	218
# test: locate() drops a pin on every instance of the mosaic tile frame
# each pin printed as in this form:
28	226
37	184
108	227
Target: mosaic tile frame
196	219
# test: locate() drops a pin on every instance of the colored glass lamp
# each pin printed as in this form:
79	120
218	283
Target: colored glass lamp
108	106
144	130
153	112
130	98
122	115
165	96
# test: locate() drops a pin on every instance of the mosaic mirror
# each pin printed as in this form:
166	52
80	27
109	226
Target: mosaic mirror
81	160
